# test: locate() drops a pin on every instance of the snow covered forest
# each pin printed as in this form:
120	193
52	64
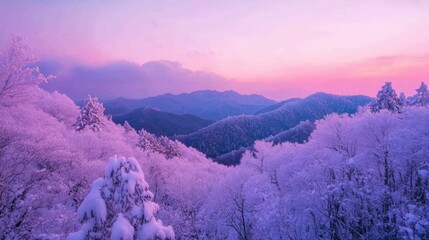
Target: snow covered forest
71	173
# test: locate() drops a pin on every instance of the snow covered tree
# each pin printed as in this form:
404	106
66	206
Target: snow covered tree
16	75
120	206
32	160
91	115
163	145
386	99
403	101
169	148
128	127
147	141
422	96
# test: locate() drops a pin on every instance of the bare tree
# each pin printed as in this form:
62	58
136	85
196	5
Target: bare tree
16	74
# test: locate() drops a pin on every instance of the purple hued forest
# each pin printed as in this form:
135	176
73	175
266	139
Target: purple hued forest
235	120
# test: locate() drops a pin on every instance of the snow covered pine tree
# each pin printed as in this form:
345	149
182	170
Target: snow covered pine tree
120	206
90	116
386	99
422	96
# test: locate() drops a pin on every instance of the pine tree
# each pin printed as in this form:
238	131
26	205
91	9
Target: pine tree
120	206
403	100
386	99
91	115
422	96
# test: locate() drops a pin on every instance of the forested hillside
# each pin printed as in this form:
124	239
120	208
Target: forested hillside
241	131
161	123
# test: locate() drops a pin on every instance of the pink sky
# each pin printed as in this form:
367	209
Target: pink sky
295	47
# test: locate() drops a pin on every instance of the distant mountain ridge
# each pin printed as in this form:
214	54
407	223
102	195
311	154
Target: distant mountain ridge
207	104
237	132
161	123
276	106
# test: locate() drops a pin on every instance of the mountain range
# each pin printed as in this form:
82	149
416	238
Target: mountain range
236	132
223	125
207	104
161	123
216	123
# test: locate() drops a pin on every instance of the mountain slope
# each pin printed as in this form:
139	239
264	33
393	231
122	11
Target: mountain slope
241	131
161	123
298	134
275	106
208	104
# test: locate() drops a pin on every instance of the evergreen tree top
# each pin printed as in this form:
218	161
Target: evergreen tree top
91	115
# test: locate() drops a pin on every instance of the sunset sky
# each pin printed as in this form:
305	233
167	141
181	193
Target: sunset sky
287	46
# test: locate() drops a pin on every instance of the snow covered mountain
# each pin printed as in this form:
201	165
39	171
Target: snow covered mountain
241	131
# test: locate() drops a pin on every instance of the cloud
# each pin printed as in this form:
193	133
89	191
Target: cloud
127	79
130	80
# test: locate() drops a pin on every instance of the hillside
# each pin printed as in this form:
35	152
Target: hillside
275	106
299	134
162	123
208	104
241	131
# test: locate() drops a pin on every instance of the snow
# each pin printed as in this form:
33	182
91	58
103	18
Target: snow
126	192
91	116
113	164
151	143
150	209
155	228
94	206
122	229
369	167
386	99
82	233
